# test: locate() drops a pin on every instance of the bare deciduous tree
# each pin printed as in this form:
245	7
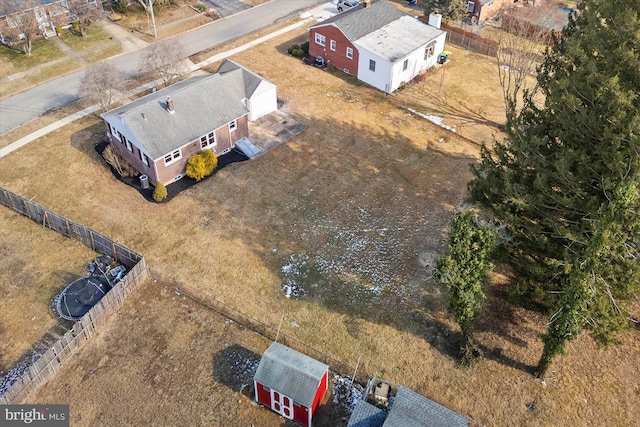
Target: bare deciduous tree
84	13
99	84
526	34
162	58
20	24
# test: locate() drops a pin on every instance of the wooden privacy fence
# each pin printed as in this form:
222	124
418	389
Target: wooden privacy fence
52	360
470	41
93	239
272	333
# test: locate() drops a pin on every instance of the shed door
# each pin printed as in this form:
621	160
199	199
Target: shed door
282	404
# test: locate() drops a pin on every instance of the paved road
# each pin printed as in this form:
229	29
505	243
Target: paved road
30	104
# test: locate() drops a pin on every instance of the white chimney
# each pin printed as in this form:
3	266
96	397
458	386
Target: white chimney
170	106
435	19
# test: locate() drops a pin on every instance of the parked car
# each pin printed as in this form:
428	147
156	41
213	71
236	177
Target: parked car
347	4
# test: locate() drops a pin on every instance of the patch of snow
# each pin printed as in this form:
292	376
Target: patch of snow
346	393
434	119
18	369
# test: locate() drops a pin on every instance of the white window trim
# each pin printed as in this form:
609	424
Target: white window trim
320	39
350	53
429	50
372	65
233	125
470	6
208	140
174	157
129	145
332	45
145	159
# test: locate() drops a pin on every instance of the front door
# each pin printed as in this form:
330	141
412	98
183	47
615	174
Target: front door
281	404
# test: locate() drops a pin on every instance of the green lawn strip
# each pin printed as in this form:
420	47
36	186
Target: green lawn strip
52	71
42	51
94	36
100	54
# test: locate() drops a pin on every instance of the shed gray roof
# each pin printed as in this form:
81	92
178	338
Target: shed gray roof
366	415
399	38
360	21
291	373
412	409
201	104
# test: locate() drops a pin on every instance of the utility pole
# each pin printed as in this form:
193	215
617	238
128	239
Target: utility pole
153	21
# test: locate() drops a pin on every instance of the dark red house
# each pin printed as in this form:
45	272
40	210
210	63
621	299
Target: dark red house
290	383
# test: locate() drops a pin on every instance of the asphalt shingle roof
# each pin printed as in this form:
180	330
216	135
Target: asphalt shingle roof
398	38
201	104
412	409
366	415
291	373
360	21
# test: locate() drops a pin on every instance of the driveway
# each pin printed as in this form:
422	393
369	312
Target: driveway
226	7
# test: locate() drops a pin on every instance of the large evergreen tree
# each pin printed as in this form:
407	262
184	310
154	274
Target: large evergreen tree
564	182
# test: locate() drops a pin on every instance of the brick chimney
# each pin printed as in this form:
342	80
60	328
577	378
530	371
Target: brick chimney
366	3
170	106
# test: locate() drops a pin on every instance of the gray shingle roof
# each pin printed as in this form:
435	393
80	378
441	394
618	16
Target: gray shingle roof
398	38
201	104
241	76
360	21
366	415
290	373
412	409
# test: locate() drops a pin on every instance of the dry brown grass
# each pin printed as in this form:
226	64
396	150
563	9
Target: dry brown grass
364	196
36	263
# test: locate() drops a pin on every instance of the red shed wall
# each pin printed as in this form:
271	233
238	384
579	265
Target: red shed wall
322	389
338	57
301	414
263	395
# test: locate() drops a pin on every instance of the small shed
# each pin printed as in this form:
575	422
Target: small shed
290	383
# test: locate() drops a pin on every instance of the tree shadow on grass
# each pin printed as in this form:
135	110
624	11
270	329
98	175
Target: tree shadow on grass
235	367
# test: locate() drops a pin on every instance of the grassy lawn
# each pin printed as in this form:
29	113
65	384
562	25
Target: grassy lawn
100	54
42	51
39	76
36	264
94	36
354	212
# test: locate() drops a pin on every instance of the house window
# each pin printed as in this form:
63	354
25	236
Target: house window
129	146
320	39
332	45
349	53
208	140
470	6
145	159
173	157
405	65
372	65
121	137
428	51
233	125
14	21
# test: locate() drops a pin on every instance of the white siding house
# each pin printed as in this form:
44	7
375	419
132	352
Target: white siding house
398	52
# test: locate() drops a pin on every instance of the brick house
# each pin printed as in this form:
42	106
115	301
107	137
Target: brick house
377	43
49	14
158	133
